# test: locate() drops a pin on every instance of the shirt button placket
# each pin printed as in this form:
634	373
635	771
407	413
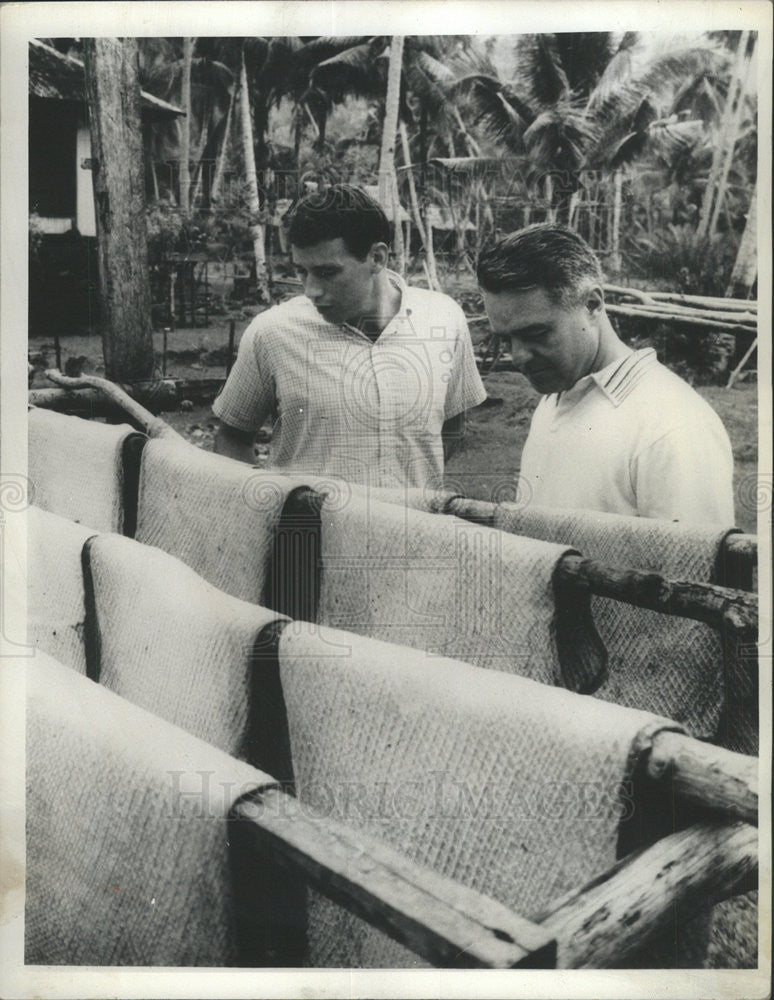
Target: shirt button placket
387	389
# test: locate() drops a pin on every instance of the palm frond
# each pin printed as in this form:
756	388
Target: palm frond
560	135
539	70
616	73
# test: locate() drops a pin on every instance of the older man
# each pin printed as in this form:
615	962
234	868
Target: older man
367	378
615	430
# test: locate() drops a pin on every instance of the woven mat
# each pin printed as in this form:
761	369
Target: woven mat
76	468
55	597
442	585
174	644
509	786
126	831
215	514
664	664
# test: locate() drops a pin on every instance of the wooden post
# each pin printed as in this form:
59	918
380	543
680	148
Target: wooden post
615	915
739	368
119	194
710	776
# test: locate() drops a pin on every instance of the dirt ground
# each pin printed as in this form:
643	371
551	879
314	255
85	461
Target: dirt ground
495	432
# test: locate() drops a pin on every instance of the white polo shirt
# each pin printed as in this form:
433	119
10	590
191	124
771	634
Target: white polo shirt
632	439
368	412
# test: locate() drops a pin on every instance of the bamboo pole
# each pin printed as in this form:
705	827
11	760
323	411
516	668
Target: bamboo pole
706	301
712	303
617	914
707	324
439	919
682	312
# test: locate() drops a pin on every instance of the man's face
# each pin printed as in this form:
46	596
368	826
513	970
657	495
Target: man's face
340	286
552	345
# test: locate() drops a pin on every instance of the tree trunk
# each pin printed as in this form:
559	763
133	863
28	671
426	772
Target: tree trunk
220	166
199	165
549	197
733	135
113	91
727	133
418	221
615	243
257	230
185	146
387	178
298	114
746	265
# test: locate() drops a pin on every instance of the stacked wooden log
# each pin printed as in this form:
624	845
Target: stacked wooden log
699	311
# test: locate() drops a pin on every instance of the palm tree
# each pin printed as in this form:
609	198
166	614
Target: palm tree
575	104
728	136
188	72
359	68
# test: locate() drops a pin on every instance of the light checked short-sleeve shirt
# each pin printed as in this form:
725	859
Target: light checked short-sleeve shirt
368	412
635	439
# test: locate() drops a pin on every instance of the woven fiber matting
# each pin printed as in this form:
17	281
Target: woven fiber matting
174	644
514	788
442	585
126	831
55	597
664	664
76	468
215	514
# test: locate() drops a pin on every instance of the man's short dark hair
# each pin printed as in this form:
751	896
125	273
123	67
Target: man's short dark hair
342	211
547	256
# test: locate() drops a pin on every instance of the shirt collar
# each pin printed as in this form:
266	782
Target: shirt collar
403	311
617	379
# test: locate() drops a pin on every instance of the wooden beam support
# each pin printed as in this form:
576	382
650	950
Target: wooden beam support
439	919
707	775
159	396
150	424
615	915
719	607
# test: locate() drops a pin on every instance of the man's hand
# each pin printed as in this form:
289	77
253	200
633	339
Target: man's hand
235	443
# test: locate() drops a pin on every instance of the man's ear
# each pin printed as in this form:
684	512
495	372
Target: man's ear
379	255
594	299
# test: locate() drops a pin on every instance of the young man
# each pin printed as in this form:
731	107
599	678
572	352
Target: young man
367	379
615	430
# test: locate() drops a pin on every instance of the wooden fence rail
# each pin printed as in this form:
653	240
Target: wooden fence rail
600	924
441	920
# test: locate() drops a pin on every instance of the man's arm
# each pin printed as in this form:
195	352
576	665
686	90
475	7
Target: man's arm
465	388
687	476
452	434
235	443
